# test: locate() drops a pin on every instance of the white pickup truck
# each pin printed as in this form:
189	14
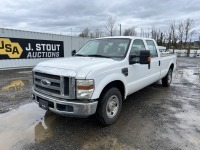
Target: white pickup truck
98	77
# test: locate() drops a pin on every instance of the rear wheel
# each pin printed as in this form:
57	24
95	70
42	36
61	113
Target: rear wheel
109	106
166	81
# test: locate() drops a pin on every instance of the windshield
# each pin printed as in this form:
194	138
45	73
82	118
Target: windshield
110	48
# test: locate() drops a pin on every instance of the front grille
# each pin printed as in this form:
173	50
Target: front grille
47	75
47	89
57	85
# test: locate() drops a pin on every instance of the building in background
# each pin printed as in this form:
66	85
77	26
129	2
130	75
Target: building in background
21	49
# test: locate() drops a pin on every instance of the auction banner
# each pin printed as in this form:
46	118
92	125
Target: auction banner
17	48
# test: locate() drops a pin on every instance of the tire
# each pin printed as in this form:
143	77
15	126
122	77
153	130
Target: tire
166	81
109	107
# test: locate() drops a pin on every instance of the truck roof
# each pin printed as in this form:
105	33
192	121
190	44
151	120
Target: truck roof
125	37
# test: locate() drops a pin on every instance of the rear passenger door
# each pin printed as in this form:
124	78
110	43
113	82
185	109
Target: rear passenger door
155	61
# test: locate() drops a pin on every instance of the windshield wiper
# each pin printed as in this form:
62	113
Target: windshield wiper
80	55
93	55
97	55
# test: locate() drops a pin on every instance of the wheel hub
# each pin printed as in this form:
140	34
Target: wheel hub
169	77
112	106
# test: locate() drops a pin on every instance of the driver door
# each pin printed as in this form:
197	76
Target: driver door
138	73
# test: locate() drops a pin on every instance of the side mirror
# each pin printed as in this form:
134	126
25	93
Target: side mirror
145	57
73	52
142	58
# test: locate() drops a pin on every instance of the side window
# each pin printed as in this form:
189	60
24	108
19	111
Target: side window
152	48
137	46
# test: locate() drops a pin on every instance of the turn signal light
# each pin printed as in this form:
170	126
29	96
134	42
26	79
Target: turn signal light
81	87
149	59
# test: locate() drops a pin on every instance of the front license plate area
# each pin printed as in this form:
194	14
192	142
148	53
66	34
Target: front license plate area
43	104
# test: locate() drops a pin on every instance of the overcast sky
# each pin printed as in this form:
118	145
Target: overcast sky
59	16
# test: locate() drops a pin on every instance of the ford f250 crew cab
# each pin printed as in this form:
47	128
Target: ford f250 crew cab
98	77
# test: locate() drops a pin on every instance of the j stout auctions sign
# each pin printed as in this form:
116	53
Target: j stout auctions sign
15	48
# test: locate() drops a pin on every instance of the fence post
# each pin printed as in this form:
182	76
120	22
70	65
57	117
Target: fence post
188	53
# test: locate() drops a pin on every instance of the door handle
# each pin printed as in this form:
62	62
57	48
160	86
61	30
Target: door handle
159	63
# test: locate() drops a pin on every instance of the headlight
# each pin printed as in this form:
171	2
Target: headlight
84	89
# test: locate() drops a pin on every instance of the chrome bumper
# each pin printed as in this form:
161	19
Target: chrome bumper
83	109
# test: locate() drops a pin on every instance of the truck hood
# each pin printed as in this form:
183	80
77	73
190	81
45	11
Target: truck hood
81	66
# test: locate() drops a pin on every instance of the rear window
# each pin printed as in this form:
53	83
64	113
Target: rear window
152	47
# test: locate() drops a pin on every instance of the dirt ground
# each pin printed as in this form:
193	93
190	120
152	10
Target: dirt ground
152	118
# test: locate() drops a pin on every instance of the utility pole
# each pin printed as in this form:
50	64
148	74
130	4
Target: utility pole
71	39
120	29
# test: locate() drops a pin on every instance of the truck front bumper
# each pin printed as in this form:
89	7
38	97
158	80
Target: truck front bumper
65	107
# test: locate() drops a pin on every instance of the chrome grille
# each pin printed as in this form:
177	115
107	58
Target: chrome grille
55	86
59	86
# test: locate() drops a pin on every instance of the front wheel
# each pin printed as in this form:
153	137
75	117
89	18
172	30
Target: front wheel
166	81
109	106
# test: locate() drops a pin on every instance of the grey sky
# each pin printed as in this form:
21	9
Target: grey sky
60	16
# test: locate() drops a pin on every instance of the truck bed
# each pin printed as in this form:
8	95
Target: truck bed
166	54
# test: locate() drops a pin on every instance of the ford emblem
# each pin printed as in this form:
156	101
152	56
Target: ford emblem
45	82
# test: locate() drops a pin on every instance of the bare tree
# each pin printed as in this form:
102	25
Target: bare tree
111	25
160	38
130	32
155	33
188	26
92	35
165	37
148	34
181	32
98	33
142	32
168	37
85	33
173	34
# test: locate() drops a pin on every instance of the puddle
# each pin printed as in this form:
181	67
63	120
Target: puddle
108	142
186	129
191	74
30	124
16	85
189	116
23	126
13	88
43	130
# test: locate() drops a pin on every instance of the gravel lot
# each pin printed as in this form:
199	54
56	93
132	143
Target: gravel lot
152	118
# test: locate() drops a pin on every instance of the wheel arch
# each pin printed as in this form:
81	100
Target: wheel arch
172	66
116	83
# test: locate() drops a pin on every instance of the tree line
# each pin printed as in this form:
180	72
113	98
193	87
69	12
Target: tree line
176	34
